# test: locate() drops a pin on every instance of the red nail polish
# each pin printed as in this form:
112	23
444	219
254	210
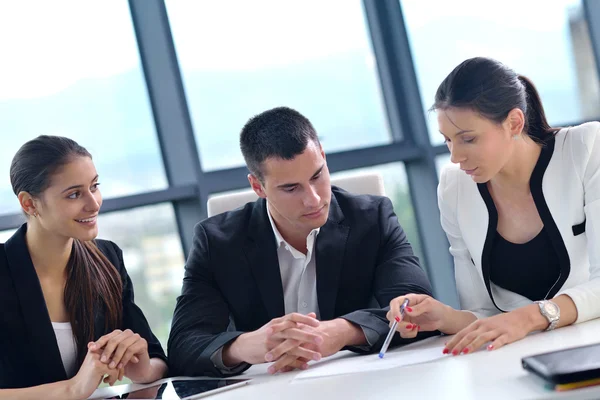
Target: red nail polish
454	352
397	319
490	347
446	351
408	309
418	328
465	351
409	326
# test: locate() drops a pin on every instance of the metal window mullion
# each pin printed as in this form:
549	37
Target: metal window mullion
392	49
170	110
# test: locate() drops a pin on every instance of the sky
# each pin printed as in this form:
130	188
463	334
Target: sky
90	39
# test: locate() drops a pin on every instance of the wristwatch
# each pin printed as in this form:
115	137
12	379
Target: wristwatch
550	311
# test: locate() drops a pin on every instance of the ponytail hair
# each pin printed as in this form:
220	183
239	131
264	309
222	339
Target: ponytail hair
491	89
93	283
536	124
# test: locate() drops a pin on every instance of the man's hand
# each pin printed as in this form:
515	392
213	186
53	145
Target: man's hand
335	335
283	334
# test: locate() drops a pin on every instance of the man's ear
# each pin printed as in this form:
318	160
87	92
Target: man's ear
257	186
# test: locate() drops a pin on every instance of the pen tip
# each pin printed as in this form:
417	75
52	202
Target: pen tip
380	355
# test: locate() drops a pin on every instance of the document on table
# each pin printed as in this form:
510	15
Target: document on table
356	363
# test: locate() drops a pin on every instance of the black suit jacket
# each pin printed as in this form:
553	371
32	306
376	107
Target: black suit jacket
29	354
363	259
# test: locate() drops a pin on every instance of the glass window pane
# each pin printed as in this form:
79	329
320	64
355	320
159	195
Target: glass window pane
153	257
72	68
396	188
548	41
313	56
441	161
5	235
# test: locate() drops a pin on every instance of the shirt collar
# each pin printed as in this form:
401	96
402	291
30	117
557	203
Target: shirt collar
279	240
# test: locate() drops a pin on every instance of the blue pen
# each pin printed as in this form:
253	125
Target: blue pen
390	335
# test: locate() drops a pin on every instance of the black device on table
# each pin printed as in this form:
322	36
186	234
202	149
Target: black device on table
568	368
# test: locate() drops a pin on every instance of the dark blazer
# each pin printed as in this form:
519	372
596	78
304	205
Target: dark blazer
363	259
29	354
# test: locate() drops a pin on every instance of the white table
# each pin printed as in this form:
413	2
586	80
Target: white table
481	375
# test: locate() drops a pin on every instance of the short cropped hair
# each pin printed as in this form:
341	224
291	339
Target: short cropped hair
280	132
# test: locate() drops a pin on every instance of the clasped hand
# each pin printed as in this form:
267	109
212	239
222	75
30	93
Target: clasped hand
125	351
110	358
291	341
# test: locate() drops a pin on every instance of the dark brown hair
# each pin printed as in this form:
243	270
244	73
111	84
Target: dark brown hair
492	89
92	281
280	132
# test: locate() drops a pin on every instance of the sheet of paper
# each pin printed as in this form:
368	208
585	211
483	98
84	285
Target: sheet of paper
357	363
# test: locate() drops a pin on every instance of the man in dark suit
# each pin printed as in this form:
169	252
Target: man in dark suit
299	274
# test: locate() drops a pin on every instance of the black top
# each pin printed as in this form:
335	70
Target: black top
530	269
552	231
29	354
363	260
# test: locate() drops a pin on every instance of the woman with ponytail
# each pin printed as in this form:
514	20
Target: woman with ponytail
521	210
67	316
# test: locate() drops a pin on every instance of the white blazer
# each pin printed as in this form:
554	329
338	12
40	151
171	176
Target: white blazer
565	185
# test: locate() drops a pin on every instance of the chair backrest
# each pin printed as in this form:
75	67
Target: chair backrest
364	183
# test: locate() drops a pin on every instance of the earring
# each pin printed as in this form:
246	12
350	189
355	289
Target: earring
516	137
35	214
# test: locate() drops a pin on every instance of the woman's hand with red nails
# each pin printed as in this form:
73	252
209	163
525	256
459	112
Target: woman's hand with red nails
494	332
423	313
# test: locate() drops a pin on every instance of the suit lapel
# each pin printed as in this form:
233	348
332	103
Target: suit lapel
330	250
40	334
261	254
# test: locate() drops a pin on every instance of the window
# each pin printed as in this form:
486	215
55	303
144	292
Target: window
239	58
71	68
5	235
545	41
396	188
441	161
153	257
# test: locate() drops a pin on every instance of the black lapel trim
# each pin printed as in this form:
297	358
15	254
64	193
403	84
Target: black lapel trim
537	193
546	216
329	253
261	254
579	228
486	255
40	334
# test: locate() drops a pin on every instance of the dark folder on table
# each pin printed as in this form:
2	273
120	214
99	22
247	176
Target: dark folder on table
568	368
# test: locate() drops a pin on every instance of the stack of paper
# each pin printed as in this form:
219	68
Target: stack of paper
357	364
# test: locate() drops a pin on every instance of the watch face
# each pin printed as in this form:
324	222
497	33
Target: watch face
551	309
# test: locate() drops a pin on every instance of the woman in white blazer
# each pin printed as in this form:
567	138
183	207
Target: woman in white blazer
521	210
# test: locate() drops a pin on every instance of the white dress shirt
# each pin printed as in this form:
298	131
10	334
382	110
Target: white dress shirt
298	273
